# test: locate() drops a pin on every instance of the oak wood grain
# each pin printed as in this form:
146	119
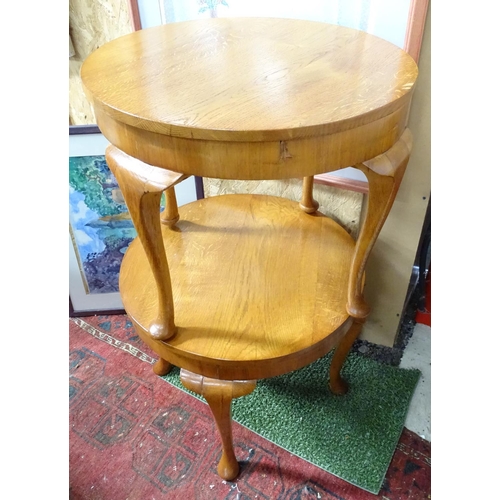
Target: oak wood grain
250	98
337	384
244	79
307	203
384	174
161	367
142	187
219	395
259	287
170	214
257	160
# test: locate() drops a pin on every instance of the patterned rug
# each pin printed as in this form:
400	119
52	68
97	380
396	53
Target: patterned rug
133	436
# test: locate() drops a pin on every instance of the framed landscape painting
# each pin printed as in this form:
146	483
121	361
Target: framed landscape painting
100	227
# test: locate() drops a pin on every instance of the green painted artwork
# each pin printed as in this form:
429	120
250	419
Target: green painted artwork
100	224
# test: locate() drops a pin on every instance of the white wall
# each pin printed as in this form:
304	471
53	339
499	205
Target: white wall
384	18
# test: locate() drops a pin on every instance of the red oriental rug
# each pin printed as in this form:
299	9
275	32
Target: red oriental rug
135	437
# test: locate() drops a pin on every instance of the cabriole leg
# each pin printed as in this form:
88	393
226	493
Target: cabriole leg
219	395
143	198
384	174
337	384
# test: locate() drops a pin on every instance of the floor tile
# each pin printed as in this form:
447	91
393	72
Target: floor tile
418	355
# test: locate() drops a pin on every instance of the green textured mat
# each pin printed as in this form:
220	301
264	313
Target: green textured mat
352	436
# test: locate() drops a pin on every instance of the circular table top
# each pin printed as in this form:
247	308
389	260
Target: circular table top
247	79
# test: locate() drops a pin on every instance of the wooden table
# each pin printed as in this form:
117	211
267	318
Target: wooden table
237	288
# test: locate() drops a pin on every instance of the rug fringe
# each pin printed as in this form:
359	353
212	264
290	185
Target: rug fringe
105	337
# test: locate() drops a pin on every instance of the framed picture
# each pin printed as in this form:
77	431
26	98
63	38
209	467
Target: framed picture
100	227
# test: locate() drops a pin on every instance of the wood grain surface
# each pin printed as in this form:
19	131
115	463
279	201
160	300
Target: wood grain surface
219	395
142	187
258	286
236	79
250	98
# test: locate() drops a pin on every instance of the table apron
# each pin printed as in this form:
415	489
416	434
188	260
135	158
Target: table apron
256	160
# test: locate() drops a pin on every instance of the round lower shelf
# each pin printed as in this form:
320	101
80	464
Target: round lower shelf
259	287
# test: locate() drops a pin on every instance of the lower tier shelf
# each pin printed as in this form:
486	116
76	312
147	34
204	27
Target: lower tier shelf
259	287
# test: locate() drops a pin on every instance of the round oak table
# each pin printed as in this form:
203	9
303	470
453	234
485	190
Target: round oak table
237	288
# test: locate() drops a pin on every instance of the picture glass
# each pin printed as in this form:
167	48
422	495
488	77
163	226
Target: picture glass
100	225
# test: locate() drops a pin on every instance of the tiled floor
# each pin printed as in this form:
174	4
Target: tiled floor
417	354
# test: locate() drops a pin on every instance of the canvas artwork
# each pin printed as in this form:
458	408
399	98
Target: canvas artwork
100	225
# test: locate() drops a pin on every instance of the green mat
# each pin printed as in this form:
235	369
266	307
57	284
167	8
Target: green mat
352	436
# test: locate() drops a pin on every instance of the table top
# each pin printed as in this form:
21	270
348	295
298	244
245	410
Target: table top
248	79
